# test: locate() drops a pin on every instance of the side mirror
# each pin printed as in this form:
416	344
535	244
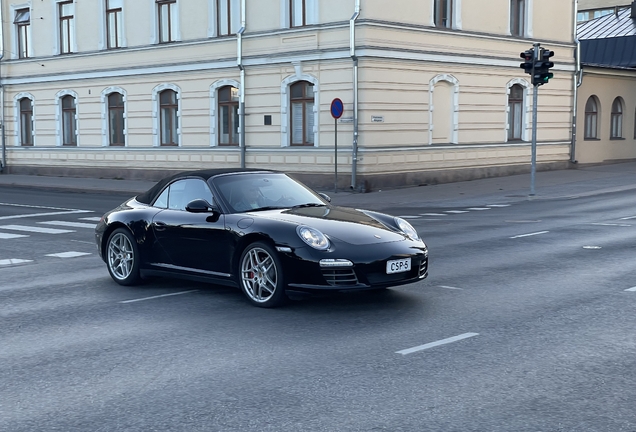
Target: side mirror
325	196
200	206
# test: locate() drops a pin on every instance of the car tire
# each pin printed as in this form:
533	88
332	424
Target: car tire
122	257
261	276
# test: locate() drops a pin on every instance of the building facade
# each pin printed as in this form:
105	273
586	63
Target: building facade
432	90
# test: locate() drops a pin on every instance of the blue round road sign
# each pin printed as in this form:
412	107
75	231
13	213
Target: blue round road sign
337	108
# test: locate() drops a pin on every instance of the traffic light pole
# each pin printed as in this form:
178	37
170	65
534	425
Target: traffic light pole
535	98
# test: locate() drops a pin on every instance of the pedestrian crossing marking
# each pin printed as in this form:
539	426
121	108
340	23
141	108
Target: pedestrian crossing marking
44	214
35	229
13	261
433	214
11	236
69	224
71	254
92	219
456	211
479	208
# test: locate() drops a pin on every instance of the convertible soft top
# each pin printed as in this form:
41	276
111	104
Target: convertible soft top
148	196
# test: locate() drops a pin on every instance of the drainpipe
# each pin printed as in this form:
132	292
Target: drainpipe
577	80
3	163
354	57
239	62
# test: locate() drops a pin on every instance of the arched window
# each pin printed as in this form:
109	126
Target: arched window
69	121
591	118
228	103
26	122
168	108
116	120
617	119
302	113
515	113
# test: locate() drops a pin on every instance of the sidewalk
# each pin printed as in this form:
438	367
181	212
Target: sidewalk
582	181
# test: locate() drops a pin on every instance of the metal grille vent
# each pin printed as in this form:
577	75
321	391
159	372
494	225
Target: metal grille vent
340	276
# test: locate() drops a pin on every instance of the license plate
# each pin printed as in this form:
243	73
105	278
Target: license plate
398	266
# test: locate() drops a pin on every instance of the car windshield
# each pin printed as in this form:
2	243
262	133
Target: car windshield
263	191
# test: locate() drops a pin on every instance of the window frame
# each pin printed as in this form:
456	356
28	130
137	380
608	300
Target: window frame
171	15
117	13
616	119
66	27
303	13
513	104
439	8
233	107
303	101
22	129
174	118
121	112
518	18
590	123
66	113
23	32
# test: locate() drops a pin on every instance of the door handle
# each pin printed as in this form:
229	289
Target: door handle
159	226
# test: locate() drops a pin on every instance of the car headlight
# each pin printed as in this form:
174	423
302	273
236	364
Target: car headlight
313	237
407	229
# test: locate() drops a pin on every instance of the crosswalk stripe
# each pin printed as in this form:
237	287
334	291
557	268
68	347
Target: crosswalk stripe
35	229
22	216
14	261
11	236
69	224
71	254
456	211
433	214
479	208
92	219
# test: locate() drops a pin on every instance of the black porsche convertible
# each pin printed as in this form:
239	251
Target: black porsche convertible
259	230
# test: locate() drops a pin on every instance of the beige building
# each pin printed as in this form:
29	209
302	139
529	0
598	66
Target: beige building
432	90
606	123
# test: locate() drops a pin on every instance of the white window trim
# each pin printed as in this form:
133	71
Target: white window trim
527	26
212	8
214	90
156	137
103	27
14	45
58	116
284	107
527	108
456	18
455	104
56	13
154	37
313	13
18	123
105	93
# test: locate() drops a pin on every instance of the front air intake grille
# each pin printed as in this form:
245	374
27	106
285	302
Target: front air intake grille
340	276
423	267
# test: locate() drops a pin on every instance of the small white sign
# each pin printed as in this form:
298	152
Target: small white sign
377	119
345	120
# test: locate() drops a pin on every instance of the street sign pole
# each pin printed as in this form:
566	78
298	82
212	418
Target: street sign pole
335	156
337	109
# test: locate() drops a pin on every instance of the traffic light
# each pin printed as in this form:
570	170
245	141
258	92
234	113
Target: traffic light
542	67
528	56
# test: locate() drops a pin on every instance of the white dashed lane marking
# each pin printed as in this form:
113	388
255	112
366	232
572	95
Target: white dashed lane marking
628	218
633	289
456	211
479	208
13	261
11	236
69	224
437	343
611	224
35	229
531	234
71	254
92	219
433	214
44	214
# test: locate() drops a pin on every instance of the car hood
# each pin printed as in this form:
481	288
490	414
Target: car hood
346	224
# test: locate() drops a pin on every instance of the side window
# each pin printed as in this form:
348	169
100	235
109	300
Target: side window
182	192
162	201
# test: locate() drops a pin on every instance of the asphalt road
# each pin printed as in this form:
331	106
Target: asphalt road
526	323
